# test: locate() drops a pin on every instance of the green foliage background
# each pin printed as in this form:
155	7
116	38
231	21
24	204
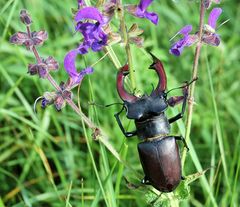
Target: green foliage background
49	159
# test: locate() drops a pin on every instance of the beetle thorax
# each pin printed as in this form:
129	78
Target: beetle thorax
146	107
154	127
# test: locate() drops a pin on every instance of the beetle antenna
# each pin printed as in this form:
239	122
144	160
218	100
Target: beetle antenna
114	104
187	84
174	89
35	103
103	106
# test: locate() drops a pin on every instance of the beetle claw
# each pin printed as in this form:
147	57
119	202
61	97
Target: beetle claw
125	96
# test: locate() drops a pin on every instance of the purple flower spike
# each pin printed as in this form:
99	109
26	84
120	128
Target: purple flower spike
140	11
69	64
213	17
187	40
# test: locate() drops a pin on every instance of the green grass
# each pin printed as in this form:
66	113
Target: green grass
50	158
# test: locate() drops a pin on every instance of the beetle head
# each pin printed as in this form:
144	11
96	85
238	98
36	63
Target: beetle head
146	106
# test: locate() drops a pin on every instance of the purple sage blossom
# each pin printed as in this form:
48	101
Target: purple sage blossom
69	64
209	36
94	38
187	40
140	11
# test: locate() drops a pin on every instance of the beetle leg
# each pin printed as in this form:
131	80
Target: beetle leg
183	140
180	115
173	101
127	134
177	99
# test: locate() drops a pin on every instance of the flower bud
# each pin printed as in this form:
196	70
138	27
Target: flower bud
25	17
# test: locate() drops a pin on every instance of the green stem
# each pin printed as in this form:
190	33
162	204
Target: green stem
194	75
124	32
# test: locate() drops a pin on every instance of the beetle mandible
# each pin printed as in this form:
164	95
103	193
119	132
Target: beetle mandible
158	152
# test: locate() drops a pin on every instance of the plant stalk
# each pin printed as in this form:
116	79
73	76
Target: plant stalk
194	75
124	32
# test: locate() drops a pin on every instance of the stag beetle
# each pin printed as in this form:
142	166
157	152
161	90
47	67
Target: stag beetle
158	152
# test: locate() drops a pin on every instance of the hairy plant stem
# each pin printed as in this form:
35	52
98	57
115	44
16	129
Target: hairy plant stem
57	87
194	75
124	33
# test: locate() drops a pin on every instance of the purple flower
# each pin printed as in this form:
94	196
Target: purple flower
140	11
69	64
187	40
94	36
210	36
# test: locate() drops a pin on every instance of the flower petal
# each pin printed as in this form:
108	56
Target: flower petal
83	48
213	16
144	4
89	13
185	30
69	63
178	46
153	17
82	73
